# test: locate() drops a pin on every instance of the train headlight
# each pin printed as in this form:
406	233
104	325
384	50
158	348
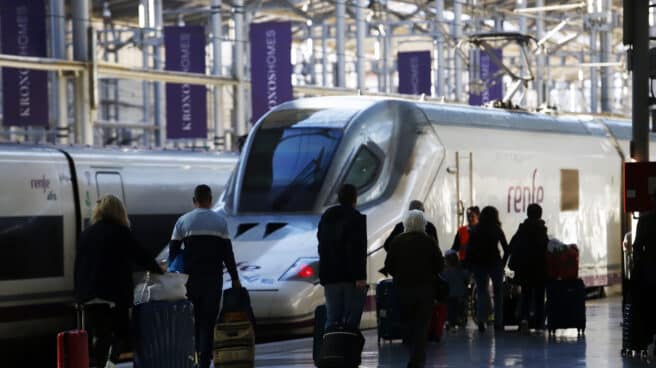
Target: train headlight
304	269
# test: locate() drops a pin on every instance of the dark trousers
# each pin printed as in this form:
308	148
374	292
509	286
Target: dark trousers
416	312
455	310
206	302
344	304
106	327
533	300
482	276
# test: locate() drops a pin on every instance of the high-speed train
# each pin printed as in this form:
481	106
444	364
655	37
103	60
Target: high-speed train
393	151
46	198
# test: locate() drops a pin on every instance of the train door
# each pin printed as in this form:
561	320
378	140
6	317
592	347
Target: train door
110	182
464	183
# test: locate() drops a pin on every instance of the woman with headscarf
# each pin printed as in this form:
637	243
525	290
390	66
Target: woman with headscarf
414	260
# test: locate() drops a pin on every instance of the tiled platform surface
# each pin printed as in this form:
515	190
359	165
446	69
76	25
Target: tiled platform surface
600	348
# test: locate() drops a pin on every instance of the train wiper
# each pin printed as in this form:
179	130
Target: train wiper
311	169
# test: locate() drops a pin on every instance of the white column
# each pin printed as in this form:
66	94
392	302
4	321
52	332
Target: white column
238	68
83	116
457	60
59	90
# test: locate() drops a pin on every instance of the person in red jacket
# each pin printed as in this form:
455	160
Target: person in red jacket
462	236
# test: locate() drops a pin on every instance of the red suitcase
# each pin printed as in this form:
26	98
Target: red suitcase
437	322
72	349
563	264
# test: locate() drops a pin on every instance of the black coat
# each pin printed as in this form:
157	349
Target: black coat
528	252
342	235
399	229
107	255
483	246
414	259
644	250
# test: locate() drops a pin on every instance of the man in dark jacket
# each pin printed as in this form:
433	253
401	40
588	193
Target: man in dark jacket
398	229
207	248
415	262
528	250
342	235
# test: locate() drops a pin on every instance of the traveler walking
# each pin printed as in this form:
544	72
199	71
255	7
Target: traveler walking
486	263
415	262
398	228
107	255
207	248
342	235
457	278
462	236
528	250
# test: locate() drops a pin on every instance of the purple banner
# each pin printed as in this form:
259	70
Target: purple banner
271	66
25	92
414	72
186	104
490	84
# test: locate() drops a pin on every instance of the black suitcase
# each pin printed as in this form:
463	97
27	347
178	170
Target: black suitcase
164	334
566	305
388	312
511	304
341	348
320	316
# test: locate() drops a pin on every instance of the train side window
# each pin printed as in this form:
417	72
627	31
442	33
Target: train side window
110	183
569	190
364	169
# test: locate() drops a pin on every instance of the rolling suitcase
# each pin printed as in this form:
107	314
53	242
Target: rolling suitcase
437	322
73	349
236	306
320	316
511	304
164	334
341	348
388	312
73	346
566	305
234	344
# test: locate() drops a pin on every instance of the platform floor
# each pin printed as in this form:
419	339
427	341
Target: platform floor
600	348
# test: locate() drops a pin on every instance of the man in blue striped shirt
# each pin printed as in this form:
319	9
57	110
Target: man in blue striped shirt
201	238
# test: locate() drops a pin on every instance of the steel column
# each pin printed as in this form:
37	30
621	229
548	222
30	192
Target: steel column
83	113
457	61
238	68
439	49
340	7
158	22
58	39
539	75
640	59
324	54
360	38
217	95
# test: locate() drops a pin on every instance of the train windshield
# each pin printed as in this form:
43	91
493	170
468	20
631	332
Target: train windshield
288	160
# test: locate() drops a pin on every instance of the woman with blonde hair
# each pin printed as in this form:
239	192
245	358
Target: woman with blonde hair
107	255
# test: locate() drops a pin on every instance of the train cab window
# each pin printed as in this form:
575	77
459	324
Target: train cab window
364	169
569	190
288	161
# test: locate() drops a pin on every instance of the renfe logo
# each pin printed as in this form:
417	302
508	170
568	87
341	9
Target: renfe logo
42	183
520	197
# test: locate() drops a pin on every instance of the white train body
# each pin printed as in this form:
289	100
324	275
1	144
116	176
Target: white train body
450	157
47	198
